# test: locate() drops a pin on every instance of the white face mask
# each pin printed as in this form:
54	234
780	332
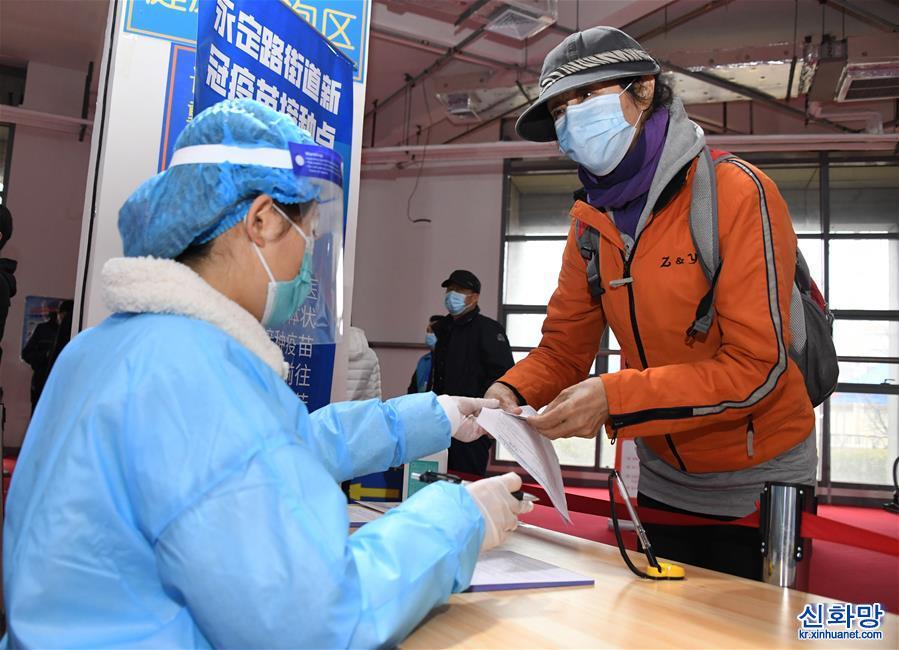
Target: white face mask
595	133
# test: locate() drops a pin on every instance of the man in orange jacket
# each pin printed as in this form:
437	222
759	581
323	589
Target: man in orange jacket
715	416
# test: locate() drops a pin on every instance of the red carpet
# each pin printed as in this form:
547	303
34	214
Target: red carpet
837	571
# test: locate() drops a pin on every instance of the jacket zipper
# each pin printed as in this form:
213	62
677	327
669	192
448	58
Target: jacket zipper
633	309
750	438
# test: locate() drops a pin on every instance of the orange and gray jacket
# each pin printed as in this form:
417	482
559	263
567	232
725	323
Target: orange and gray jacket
729	400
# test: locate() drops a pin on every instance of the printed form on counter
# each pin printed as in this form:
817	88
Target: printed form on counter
533	452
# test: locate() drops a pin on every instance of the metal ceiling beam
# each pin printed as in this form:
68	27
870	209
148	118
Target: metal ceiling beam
681	20
438	48
863	15
472	9
438	63
755	95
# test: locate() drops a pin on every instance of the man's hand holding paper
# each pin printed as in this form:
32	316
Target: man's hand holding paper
578	411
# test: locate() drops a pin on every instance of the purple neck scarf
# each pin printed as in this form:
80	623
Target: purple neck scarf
624	189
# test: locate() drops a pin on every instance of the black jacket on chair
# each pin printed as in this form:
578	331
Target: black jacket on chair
471	353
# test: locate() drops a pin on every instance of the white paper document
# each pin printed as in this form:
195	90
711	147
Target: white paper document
499	570
360	514
533	452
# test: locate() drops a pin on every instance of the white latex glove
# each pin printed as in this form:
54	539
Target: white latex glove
500	509
462	412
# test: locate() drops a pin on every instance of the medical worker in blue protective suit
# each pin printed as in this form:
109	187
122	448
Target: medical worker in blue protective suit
173	491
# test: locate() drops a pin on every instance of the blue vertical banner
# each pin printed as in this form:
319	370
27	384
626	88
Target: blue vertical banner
262	50
343	22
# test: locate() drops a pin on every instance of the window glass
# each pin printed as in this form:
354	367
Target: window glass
532	270
869	373
606	452
539	204
863	434
866	338
580	452
864	274
5	144
864	198
614	363
819	429
813	252
518	355
613	342
800	187
523	330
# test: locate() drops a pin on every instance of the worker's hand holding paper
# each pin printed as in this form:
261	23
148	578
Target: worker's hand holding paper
531	450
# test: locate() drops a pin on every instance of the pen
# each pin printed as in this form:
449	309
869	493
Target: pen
638	526
432	477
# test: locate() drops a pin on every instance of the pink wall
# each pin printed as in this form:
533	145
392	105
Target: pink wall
46	197
400	265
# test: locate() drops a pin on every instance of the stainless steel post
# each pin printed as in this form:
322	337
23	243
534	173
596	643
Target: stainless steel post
780	520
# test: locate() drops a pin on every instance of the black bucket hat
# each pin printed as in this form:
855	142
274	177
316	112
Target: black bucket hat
582	59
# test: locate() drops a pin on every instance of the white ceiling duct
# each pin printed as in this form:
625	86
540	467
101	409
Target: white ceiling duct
461	108
869	81
857	69
521	19
469	106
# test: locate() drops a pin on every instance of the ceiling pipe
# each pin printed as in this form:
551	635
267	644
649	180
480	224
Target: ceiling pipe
427	46
863	15
753	94
721	127
873	119
493	151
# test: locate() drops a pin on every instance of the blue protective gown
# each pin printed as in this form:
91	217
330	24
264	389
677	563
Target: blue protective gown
173	492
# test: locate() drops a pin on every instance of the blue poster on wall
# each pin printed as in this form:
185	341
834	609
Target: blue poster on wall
343	22
170	20
38	309
179	99
262	50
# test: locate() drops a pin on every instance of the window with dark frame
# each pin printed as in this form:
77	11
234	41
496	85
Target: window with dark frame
6	137
845	211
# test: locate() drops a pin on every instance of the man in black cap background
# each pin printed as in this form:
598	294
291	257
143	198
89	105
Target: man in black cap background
472	352
7	270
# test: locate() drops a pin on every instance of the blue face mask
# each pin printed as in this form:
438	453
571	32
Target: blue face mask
284	297
595	133
431	339
455	302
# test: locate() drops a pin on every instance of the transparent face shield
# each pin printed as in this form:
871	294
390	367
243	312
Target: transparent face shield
319	170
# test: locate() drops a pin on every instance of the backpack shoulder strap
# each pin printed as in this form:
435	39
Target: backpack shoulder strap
704	232
704	214
588	245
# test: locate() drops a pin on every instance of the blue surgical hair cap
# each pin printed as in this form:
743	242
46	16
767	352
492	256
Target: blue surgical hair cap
195	202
